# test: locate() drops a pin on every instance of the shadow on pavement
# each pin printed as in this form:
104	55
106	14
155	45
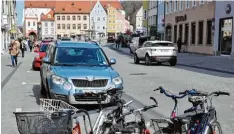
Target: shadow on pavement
9	66
36	92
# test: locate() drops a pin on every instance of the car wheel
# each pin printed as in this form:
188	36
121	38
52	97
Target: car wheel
147	60
173	62
136	59
43	89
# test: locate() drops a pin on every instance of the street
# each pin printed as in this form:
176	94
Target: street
22	87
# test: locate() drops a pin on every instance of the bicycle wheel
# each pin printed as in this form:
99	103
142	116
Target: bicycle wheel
215	128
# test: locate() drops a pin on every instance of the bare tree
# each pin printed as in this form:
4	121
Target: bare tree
131	8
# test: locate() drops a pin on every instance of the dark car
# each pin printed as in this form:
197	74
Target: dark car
111	39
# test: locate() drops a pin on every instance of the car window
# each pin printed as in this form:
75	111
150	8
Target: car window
161	44
51	52
43	48
80	56
147	44
142	41
47	50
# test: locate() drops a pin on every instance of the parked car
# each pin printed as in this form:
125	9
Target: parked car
40	51
71	70
156	51
110	39
137	42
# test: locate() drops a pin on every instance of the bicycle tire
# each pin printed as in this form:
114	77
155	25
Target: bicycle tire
215	123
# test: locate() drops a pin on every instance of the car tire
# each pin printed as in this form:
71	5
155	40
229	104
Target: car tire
43	89
136	59
147	60
173	62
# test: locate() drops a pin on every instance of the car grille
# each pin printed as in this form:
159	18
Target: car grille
86	83
89	97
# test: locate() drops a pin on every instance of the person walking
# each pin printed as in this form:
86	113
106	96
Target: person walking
14	51
179	44
30	43
22	47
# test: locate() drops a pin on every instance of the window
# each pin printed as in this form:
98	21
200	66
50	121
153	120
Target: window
84	17
175	33
201	1
171	7
49	16
29	23
200	32
68	17
193	32
181	5
78	17
58	26
98	19
145	14
34	24
103	27
85	26
68	26
187	4
175	6
74	26
113	21
52	30
209	32
63	26
92	18
180	31
104	18
63	17
109	21
46	30
58	17
98	27
186	34
73	17
165	9
79	26
46	24
52	24
194	3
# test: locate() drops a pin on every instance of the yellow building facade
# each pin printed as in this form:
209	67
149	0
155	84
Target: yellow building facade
111	24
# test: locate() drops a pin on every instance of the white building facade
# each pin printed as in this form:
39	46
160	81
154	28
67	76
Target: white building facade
98	20
224	28
152	13
139	18
31	18
48	26
8	24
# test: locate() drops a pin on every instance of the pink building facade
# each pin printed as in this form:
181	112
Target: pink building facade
126	25
120	22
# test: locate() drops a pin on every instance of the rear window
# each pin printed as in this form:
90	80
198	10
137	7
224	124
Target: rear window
161	44
43	48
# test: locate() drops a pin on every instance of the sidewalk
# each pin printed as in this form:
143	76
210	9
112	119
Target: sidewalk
219	64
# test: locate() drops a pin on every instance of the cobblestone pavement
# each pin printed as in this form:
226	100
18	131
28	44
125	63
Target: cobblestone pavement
22	88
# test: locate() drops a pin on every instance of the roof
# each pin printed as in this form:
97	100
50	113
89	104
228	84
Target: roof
77	44
49	16
39	4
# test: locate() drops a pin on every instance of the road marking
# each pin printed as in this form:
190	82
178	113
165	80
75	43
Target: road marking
28	71
5	81
31	83
18	110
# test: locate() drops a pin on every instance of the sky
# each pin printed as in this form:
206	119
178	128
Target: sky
19	10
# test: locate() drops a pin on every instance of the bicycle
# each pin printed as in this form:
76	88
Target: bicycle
206	121
129	127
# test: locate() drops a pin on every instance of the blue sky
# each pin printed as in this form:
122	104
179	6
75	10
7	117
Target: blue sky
19	10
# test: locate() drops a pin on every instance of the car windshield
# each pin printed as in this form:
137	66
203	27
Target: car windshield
43	48
80	56
161	44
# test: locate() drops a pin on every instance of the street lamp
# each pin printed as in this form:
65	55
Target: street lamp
39	30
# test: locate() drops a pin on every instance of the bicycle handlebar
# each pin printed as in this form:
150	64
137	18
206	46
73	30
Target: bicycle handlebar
162	90
194	92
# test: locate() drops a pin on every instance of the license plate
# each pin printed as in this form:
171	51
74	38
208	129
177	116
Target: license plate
164	50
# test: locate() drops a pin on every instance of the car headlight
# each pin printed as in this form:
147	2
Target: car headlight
67	86
117	80
37	56
58	80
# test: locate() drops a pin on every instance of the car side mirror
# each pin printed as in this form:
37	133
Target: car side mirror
35	50
46	60
112	61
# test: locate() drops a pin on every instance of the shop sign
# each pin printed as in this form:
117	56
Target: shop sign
228	8
180	18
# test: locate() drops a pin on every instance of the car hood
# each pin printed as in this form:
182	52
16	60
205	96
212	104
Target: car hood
83	71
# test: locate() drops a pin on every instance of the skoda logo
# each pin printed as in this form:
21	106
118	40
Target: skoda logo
228	8
90	78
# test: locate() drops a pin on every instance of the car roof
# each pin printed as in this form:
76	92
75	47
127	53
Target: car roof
77	44
159	41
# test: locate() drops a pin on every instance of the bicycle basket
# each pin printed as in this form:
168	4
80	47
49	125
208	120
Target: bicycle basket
42	123
53	105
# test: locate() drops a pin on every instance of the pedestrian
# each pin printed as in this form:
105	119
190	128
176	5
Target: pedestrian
14	51
30	43
179	44
22	46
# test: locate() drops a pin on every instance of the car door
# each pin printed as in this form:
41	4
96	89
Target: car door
45	65
142	50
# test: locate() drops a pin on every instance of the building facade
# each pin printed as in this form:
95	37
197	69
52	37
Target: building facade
224	28
191	21
152	17
72	18
145	16
8	24
111	24
98	20
161	19
48	25
139	18
126	25
120	20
